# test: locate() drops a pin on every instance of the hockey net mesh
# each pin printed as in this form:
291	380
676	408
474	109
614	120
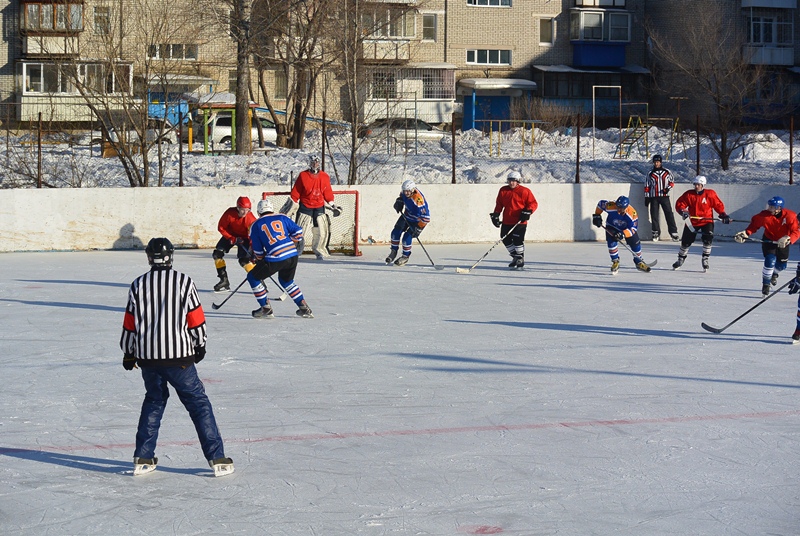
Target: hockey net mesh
344	228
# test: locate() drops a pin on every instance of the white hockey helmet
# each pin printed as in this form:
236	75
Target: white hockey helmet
514	176
265	206
314	163
409	185
700	179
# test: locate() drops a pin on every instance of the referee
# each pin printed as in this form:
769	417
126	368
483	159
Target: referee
164	333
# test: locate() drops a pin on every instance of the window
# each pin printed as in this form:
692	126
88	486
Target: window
429	27
61	17
388	22
619	25
769	28
492	3
384	85
54	78
586	26
232	81
599	3
102	20
547	32
281	84
171	51
489	57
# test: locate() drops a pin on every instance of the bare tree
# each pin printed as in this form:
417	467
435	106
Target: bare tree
709	59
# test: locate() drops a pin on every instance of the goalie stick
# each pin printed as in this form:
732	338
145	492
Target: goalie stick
720	330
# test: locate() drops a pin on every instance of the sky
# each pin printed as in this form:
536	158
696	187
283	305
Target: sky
555	400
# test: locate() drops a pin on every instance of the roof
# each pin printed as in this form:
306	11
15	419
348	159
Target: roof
628	69
172	79
497	83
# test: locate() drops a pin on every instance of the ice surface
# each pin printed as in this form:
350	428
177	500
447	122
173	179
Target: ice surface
555	400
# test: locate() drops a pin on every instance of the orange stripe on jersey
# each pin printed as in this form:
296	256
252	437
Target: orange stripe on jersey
195	317
129	324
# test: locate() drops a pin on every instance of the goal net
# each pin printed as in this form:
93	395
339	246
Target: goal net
344	228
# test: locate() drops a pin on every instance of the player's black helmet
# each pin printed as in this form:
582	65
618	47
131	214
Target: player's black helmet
159	252
656	158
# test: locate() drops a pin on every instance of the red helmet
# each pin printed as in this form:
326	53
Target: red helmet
243	202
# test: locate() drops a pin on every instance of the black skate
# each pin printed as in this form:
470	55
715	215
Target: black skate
677	264
765	289
392	255
223	284
774	280
705	264
264	312
401	261
304	310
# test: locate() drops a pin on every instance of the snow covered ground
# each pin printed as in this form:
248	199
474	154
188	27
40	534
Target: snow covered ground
765	161
556	400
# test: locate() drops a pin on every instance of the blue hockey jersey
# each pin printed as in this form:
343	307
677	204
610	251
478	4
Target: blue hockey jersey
273	237
627	222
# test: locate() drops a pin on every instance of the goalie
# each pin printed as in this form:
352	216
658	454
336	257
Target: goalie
310	196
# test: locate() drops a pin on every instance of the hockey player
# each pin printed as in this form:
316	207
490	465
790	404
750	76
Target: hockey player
234	226
697	208
781	230
794	288
274	238
414	216
314	194
164	333
517	204
621	224
657	186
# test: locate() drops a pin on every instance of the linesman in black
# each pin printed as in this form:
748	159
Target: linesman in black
164	334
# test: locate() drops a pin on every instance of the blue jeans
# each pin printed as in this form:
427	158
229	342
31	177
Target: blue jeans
193	396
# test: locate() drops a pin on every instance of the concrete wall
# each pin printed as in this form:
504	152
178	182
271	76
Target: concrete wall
111	218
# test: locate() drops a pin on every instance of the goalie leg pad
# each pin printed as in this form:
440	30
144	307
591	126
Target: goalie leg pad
322	236
305	221
289	208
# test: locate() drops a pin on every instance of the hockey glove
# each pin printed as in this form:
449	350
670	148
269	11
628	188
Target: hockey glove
724	218
415	231
794	286
199	353
525	215
129	362
398	205
495	219
337	211
741	236
784	241
597	221
684	215
619	236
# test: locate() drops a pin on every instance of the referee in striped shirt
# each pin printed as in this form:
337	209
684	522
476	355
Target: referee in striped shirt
164	333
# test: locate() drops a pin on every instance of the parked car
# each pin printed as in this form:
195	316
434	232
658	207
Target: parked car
402	129
220	126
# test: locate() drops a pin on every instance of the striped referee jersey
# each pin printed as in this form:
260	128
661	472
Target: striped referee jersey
164	320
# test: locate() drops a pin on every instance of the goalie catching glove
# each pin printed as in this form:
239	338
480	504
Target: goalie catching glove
741	236
784	241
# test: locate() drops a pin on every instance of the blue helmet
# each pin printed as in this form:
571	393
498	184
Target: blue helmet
776	202
623	202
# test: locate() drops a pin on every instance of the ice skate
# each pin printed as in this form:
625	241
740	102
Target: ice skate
774	280
142	466
516	263
304	310
391	256
705	264
674	237
796	336
765	289
221	466
264	312
655	237
401	261
223	285
614	267
677	264
642	266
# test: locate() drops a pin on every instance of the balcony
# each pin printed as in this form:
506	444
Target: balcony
779	4
49	46
769	55
386	51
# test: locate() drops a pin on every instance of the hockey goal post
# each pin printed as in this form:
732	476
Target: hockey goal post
344	228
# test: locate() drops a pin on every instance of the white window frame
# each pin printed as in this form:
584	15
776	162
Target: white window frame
581	25
599	3
435	26
489	3
51	79
102	20
552	40
383	22
52	17
173	51
487	54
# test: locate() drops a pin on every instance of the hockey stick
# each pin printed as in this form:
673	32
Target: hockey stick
215	306
651	264
468	270
716	219
720	330
426	254
282	296
751	239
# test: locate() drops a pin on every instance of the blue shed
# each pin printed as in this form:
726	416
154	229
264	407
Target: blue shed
490	98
